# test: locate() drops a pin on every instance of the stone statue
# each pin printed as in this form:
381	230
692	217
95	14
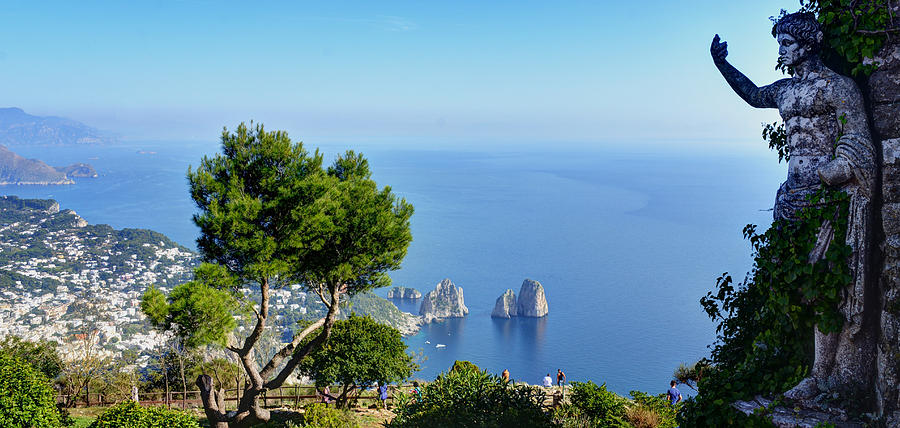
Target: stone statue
829	142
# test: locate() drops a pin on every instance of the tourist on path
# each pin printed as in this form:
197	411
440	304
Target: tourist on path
560	377
673	394
382	394
415	392
548	381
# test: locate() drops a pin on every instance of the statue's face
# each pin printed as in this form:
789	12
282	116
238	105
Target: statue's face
790	51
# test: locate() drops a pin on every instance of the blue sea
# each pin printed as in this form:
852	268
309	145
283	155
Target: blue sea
625	239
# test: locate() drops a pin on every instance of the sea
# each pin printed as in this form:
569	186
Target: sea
625	238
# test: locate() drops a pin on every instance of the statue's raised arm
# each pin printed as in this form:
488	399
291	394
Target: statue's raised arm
746	89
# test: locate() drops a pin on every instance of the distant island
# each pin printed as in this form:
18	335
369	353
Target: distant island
20	128
15	169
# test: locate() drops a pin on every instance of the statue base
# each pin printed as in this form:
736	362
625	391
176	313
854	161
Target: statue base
806	414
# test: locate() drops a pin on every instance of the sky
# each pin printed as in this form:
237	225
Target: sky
413	73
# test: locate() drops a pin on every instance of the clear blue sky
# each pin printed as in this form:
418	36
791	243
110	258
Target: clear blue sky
413	72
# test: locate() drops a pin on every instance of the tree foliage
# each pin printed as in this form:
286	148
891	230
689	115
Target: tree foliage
26	399
197	312
472	398
41	355
359	352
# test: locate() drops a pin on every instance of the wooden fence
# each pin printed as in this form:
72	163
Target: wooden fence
284	396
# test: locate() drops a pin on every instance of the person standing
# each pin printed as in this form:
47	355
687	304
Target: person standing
673	394
560	377
505	375
383	395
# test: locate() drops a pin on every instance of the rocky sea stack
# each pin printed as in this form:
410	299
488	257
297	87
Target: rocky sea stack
505	306
532	301
445	301
404	293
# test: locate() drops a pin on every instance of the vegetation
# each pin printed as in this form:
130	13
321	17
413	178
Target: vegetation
854	30
321	416
26	399
469	397
592	405
359	352
270	216
129	414
766	323
42	355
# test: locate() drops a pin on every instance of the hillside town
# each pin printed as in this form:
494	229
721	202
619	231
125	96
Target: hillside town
64	278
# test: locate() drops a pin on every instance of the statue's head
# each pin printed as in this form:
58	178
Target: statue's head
799	36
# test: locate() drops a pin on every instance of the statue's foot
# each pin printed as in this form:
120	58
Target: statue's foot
805	390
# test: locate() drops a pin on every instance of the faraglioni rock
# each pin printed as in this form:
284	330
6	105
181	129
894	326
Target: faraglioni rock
445	301
505	306
404	293
532	301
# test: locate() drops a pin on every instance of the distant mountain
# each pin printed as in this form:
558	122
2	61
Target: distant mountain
15	169
18	127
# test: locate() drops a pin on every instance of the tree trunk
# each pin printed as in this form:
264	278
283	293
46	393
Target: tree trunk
183	380
213	402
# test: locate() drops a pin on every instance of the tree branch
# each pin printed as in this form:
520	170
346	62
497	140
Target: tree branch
311	345
289	348
260	319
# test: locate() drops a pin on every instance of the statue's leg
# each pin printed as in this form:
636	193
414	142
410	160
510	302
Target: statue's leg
826	346
854	365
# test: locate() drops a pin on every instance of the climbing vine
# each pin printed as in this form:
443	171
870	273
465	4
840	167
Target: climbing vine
855	30
765	323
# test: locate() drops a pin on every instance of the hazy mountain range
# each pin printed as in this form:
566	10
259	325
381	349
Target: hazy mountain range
20	128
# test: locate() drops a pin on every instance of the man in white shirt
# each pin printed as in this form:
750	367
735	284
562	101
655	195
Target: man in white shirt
548	382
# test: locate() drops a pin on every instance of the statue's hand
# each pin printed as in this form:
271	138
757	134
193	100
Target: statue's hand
718	50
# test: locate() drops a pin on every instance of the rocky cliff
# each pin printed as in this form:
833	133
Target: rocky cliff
404	293
445	301
15	169
532	301
505	306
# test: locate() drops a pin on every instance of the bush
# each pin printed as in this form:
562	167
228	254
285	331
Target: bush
594	401
658	405
26	399
469	397
320	416
129	414
642	417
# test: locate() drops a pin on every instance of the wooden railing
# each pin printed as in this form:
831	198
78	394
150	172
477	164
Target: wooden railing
292	395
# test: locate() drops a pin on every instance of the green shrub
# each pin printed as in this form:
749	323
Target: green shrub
659	405
463	365
318	415
594	401
468	397
129	414
26	399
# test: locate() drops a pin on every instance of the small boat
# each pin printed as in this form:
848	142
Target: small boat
428	342
440	345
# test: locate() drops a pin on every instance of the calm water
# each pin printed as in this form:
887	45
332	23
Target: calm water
624	240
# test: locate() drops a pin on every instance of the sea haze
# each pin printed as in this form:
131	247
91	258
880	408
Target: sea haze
625	241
